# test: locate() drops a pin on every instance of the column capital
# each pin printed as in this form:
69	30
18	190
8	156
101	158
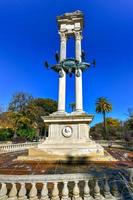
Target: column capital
78	35
63	36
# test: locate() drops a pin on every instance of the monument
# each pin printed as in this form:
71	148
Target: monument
68	133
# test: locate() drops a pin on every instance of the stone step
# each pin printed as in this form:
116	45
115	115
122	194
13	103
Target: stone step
69	145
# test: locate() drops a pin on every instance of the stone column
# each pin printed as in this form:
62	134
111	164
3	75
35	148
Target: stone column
78	79
62	78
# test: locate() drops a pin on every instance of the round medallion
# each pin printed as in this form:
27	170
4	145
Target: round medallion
67	131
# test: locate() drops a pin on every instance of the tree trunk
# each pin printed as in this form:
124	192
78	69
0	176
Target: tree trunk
104	126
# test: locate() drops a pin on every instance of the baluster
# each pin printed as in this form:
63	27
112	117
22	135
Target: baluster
33	192
131	176
65	191
97	194
55	192
13	192
87	195
3	192
44	192
106	190
115	191
76	192
22	192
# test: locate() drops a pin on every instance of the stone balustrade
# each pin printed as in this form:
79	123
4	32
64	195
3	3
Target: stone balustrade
61	187
16	147
122	144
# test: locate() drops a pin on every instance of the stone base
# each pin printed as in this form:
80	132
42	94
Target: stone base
68	140
68	153
38	155
89	148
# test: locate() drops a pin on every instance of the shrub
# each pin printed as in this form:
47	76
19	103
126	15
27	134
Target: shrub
28	133
5	134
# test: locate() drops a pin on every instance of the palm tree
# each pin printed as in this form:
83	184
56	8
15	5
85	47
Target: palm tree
103	106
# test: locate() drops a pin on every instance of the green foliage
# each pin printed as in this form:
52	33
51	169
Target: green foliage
24	115
47	106
17	120
96	132
128	126
114	130
37	108
129	121
28	133
103	107
5	134
112	122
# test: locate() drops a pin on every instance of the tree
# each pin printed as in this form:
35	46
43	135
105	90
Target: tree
14	123
114	129
19	121
130	113
37	108
5	134
128	126
1	109
5	120
103	106
24	115
129	121
113	122
19	102
96	132
30	115
28	134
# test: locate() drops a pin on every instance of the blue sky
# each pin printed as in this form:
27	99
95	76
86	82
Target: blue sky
29	36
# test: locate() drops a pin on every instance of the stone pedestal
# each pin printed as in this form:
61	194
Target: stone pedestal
68	135
68	128
68	141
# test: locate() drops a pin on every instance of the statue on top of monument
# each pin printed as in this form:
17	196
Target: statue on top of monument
70	25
